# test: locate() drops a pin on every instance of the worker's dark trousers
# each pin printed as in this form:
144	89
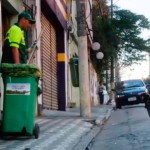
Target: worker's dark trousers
101	97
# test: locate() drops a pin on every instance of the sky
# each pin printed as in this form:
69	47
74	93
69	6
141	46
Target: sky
141	7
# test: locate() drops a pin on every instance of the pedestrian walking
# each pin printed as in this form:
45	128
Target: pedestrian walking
101	89
14	49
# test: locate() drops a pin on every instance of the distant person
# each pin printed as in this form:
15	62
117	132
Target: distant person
14	49
101	89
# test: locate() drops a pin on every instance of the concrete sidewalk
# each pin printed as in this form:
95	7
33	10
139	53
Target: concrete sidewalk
62	130
99	114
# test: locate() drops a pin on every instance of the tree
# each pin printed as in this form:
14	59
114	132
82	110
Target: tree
128	27
104	34
119	37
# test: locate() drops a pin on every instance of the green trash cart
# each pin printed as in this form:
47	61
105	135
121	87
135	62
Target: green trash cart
20	95
74	71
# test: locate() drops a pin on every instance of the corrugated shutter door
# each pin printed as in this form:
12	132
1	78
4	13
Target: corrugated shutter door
49	64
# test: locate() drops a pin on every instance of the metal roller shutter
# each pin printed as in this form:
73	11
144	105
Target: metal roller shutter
49	64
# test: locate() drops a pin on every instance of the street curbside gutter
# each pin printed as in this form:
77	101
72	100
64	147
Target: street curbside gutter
87	139
101	121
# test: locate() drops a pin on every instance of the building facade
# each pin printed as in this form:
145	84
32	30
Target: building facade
56	29
73	91
53	24
50	27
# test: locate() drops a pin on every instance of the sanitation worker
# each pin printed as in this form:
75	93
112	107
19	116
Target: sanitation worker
14	49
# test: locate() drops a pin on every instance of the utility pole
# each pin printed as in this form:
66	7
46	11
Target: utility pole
149	64
111	9
114	63
85	108
0	30
112	59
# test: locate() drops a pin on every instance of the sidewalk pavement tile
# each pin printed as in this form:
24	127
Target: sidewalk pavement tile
68	128
99	114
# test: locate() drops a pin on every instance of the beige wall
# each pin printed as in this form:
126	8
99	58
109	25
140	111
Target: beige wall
14	7
93	86
73	92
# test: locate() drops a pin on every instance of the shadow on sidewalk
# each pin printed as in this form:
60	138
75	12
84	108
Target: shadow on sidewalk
96	112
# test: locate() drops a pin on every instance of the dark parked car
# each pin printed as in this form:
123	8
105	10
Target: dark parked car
148	87
130	92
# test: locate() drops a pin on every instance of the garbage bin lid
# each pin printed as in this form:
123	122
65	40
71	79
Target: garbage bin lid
20	70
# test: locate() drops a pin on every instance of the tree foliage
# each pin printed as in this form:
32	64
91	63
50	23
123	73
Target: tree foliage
128	27
119	36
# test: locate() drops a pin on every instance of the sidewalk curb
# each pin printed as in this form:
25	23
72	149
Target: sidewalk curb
86	139
101	121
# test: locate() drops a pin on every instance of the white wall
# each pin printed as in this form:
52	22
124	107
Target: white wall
72	92
93	86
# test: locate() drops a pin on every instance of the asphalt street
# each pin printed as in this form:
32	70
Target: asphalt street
126	129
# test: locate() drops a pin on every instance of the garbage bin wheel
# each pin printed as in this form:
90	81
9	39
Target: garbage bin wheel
36	131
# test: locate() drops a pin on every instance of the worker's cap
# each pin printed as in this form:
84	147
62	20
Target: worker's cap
27	16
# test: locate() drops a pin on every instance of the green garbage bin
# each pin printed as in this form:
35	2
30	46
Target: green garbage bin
20	94
74	71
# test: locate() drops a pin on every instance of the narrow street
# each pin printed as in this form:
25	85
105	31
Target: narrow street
127	129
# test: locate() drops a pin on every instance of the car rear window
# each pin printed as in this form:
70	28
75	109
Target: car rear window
129	84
